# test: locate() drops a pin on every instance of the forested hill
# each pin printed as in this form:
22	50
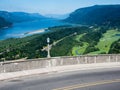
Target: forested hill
65	41
4	23
9	18
98	14
16	17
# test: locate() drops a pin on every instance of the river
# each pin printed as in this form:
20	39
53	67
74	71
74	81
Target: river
19	29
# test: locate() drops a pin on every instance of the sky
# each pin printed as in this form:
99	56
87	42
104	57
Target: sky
50	6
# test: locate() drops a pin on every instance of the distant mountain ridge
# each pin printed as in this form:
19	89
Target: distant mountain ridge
57	16
4	23
98	14
20	16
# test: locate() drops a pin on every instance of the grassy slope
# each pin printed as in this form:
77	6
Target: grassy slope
105	42
115	47
77	49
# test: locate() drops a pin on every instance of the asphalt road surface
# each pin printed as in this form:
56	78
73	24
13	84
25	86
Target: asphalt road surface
100	79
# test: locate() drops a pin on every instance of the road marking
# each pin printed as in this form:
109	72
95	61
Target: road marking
88	84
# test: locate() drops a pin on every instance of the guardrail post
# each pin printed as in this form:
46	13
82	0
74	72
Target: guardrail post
3	67
95	60
53	62
61	62
78	60
86	59
116	59
109	59
49	63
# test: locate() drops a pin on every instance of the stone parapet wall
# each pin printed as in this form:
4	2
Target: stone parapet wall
13	66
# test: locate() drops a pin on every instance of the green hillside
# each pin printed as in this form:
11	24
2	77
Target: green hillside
65	41
108	38
96	15
31	46
96	41
115	47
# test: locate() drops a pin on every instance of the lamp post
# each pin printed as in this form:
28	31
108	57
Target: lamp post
48	41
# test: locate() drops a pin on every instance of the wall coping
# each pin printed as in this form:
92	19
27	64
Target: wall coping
42	59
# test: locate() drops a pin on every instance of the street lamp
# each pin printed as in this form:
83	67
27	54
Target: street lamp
48	41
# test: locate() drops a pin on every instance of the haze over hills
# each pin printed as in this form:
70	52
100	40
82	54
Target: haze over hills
23	23
9	18
58	16
16	17
98	14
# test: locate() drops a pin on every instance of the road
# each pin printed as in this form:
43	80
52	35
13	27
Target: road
99	79
45	48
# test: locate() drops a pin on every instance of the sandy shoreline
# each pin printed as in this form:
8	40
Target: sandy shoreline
36	32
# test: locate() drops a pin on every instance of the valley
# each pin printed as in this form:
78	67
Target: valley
83	32
67	43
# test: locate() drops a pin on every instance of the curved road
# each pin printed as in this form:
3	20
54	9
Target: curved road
99	79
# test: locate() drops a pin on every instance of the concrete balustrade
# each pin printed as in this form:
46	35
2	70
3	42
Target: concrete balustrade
13	66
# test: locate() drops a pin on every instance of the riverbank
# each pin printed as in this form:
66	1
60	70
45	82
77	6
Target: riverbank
36	31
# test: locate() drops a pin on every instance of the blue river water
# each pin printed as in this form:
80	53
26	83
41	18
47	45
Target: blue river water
18	29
